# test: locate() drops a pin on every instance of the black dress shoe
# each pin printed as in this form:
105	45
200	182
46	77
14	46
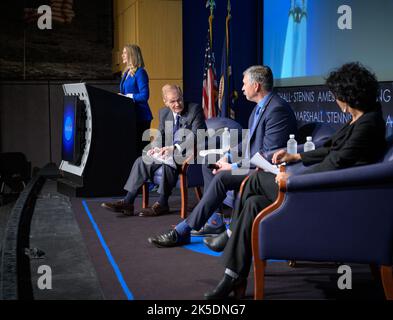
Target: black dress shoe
169	239
226	286
208	230
218	243
119	206
156	210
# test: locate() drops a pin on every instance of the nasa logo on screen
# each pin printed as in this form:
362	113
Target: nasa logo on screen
68	128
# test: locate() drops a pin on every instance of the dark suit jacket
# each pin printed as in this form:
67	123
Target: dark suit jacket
275	123
192	118
360	143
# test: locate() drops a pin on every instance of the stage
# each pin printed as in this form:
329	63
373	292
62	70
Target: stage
96	254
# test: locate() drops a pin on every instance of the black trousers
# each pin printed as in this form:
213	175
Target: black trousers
259	192
214	193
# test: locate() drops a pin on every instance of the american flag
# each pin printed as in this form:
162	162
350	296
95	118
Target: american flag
209	90
62	12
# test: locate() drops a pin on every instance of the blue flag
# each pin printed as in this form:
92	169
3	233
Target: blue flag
226	94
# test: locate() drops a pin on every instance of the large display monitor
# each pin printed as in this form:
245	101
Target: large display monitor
303	40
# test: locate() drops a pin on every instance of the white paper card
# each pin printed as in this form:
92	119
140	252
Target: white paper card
259	161
168	160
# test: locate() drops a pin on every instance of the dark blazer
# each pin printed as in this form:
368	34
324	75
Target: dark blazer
275	123
138	85
192	118
360	143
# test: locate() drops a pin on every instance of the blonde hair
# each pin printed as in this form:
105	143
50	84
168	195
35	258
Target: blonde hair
134	58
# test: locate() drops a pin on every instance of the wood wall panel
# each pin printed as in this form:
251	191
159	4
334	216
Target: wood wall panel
129	26
156	26
160	30
120	18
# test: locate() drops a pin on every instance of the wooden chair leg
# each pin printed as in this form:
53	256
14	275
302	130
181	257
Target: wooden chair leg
259	279
387	281
184	196
198	193
145	195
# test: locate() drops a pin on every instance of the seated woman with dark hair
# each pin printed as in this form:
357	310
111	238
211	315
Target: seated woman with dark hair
359	142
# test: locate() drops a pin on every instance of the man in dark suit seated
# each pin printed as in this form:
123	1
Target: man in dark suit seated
271	122
176	115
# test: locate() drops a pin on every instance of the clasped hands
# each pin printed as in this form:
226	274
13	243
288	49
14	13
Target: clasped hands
163	152
222	165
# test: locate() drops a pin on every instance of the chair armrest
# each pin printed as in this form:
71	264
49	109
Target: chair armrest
368	175
318	222
242	185
186	163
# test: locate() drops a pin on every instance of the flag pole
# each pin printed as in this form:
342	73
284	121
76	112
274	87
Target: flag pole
229	72
212	4
227	25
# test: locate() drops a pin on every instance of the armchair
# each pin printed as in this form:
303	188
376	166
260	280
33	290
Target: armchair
190	175
318	131
333	216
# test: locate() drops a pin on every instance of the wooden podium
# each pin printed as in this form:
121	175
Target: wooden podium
108	150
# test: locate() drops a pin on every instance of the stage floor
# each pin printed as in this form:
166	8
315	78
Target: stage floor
97	254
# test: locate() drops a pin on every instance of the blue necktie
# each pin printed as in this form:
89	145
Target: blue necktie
255	121
176	126
254	124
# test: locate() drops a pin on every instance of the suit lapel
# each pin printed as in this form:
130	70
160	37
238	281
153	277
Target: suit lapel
184	120
169	116
260	115
184	117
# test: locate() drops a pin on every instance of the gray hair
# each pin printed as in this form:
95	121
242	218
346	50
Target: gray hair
171	87
262	75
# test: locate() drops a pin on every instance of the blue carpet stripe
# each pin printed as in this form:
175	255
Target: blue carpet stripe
112	261
197	245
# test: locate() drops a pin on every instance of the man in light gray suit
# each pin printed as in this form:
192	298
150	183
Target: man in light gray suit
176	115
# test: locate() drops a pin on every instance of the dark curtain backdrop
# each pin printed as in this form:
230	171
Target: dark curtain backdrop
246	45
78	47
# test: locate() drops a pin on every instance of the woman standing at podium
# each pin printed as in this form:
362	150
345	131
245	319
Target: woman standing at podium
135	85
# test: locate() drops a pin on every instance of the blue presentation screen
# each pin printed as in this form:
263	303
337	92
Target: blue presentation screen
69	129
304	40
